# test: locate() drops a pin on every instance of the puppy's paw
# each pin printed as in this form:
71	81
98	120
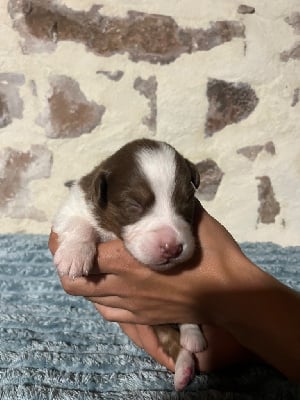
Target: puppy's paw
192	338
184	369
75	258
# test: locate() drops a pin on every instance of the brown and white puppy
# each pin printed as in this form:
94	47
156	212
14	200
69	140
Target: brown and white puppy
143	194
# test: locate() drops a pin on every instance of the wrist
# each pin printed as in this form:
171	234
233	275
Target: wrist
262	314
234	279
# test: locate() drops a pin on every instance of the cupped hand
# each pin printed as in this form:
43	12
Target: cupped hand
130	293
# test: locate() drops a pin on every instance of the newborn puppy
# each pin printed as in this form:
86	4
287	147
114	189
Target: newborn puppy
144	195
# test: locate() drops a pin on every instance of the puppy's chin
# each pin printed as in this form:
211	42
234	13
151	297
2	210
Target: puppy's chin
162	267
167	265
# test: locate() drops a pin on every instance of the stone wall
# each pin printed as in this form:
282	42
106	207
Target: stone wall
219	80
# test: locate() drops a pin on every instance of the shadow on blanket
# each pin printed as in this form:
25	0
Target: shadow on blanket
54	346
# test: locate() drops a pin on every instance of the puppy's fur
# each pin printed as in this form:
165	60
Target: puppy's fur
144	195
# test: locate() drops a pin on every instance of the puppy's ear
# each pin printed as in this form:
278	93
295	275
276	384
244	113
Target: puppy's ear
94	186
101	189
195	176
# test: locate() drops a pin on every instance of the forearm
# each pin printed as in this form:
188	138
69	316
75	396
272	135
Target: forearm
264	316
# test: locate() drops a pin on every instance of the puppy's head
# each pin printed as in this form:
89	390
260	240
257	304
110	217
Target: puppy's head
144	194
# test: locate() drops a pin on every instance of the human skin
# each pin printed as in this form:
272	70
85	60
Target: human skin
242	309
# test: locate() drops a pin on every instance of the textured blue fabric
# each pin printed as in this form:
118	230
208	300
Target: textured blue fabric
55	346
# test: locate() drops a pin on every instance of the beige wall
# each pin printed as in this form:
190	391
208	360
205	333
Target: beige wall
218	81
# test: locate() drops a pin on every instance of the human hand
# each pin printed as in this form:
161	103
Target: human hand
175	293
127	291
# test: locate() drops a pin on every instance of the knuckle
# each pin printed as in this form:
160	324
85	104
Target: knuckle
70	286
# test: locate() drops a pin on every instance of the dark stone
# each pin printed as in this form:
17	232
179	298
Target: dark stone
11	104
270	148
69	113
294	21
293	53
251	152
210	179
295	97
33	88
18	169
244	9
114	76
5	118
148	88
149	37
229	103
69	183
269	207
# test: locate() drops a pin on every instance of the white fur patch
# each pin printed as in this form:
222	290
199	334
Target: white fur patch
159	167
184	369
75	206
78	233
142	237
192	338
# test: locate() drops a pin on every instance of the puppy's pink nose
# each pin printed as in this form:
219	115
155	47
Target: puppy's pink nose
171	250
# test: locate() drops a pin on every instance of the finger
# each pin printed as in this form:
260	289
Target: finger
118	315
109	301
131	331
145	337
91	286
112	257
53	242
153	347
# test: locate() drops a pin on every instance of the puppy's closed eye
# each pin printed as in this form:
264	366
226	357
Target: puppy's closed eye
133	207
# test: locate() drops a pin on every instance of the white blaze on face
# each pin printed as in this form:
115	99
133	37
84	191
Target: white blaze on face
161	238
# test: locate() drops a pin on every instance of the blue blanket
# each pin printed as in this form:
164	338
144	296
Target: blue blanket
55	346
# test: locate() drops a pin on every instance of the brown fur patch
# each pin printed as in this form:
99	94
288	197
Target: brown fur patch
169	338
119	191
